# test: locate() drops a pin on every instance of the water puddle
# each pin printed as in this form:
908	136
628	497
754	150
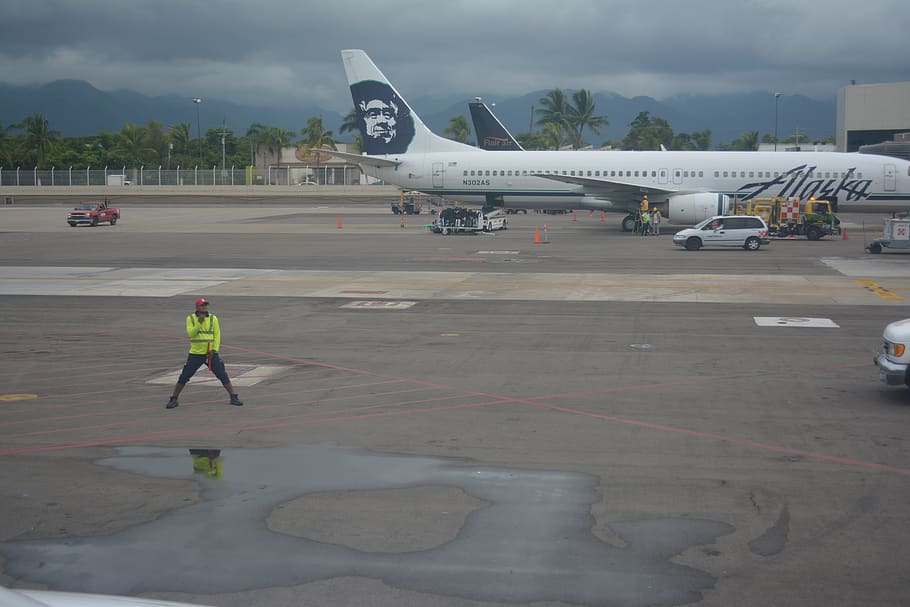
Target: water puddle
289	515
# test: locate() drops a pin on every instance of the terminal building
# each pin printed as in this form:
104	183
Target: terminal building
871	114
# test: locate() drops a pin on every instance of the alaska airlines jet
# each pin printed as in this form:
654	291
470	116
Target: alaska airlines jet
686	186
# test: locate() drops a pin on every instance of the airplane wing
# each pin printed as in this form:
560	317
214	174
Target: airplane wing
358	159
621	194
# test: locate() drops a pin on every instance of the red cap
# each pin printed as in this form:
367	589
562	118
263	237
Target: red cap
202	302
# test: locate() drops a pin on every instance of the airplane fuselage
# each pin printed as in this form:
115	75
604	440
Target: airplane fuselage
474	176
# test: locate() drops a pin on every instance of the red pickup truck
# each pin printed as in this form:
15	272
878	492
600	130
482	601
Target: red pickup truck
92	213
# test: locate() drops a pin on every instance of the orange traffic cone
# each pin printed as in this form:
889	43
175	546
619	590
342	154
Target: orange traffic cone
591	215
603	216
339	222
536	235
845	234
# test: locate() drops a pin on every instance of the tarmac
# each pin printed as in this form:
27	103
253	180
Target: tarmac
466	420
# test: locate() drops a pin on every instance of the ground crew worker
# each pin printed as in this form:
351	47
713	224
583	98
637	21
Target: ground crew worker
204	332
645	223
655	221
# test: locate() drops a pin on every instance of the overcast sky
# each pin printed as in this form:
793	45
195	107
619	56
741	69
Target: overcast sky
283	52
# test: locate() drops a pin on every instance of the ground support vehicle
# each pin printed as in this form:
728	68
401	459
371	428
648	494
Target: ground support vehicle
894	360
746	231
92	213
458	220
408	206
790	217
495	220
895	235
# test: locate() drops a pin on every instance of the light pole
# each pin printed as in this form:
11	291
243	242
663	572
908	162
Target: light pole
198	101
776	100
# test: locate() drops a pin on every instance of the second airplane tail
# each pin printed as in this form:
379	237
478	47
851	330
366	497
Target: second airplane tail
388	125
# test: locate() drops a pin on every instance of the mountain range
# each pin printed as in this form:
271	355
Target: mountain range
76	108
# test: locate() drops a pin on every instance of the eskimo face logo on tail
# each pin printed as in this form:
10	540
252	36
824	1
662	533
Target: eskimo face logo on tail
385	120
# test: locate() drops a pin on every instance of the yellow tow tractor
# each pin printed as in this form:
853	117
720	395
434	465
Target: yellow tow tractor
788	217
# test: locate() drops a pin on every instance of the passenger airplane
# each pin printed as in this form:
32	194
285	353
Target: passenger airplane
686	186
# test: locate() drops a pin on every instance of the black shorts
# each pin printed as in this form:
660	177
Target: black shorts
194	361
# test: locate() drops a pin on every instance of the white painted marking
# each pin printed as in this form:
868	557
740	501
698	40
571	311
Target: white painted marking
379	305
498	252
241	375
795	321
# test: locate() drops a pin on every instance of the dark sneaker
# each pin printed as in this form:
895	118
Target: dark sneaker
172	402
235	400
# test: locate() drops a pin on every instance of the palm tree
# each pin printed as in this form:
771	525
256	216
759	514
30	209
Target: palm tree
5	153
179	135
552	136
555	111
275	139
580	114
38	136
351	124
315	138
131	145
458	129
746	141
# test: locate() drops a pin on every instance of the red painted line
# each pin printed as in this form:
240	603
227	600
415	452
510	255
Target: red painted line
729	439
499	400
213	432
205	413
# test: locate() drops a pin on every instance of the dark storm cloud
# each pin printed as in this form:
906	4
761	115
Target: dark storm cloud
283	52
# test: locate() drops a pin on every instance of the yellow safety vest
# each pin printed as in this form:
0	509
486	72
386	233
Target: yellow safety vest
205	335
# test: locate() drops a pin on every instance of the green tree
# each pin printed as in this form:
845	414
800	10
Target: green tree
39	138
647	133
747	141
179	135
554	113
580	114
702	140
351	124
459	129
257	134
532	141
275	140
315	137
6	151
699	140
553	137
131	147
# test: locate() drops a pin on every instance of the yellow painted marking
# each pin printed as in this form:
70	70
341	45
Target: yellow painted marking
882	292
9	397
450	334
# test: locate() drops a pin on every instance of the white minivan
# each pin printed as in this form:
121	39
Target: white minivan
746	231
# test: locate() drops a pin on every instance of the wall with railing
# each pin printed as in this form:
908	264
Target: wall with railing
180	176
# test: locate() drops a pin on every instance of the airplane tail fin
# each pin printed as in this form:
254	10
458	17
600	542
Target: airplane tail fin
491	133
388	125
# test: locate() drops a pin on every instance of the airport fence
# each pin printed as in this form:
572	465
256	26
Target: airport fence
180	176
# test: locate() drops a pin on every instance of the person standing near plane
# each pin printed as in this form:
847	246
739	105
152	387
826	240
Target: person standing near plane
204	331
655	221
645	223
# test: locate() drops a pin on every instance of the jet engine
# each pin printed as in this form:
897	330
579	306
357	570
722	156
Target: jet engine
686	209
689	209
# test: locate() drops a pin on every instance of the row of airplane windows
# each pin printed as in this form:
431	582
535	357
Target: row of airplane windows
663	173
